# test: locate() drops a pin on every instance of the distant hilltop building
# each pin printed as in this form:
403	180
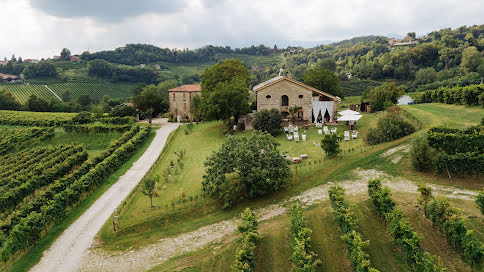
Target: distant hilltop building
75	59
394	43
31	61
3	62
157	67
56	57
142	65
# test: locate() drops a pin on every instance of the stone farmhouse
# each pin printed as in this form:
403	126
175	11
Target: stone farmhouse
283	93
180	99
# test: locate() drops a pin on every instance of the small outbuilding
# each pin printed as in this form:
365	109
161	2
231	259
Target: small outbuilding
405	100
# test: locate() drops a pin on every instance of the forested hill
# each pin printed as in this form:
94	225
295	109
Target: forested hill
447	57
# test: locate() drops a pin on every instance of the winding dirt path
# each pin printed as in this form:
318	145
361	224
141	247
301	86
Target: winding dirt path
66	252
96	259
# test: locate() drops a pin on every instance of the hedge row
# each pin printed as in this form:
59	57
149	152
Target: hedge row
453	141
28	230
400	229
451	224
35	204
117	120
33	166
460	163
11	198
245	253
302	257
96	128
468	95
10	138
354	242
52	119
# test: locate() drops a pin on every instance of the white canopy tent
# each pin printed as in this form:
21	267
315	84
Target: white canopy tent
348	112
350	117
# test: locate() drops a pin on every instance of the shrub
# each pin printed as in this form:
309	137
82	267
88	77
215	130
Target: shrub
268	121
480	200
383	96
82	118
245	168
420	153
330	145
389	128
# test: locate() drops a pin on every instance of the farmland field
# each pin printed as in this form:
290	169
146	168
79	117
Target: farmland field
48	172
95	90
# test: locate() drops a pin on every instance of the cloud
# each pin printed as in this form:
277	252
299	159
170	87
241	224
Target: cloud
106	10
47	26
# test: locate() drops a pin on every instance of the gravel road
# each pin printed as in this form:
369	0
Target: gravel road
66	252
95	259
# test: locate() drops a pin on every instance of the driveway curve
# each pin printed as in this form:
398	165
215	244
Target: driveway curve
67	251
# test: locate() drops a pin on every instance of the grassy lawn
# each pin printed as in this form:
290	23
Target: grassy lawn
139	223
32	256
434	114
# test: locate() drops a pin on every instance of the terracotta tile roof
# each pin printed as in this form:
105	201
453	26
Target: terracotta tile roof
4	76
187	88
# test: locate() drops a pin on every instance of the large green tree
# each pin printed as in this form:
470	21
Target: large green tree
34	103
150	102
224	71
384	96
245	168
8	101
324	80
471	59
228	99
65	54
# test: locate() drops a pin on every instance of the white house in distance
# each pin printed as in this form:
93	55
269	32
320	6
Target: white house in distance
405	100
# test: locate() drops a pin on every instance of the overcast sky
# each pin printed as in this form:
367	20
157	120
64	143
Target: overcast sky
41	28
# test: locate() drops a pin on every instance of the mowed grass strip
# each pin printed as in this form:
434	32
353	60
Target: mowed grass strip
435	114
326	239
384	254
274	250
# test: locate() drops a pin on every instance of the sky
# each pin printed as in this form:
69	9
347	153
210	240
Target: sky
41	28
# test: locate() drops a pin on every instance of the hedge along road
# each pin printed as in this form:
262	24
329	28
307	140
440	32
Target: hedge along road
67	251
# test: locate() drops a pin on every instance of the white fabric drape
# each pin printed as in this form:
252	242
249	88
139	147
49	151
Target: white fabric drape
322	106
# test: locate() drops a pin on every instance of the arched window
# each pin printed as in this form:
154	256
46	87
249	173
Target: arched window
284	100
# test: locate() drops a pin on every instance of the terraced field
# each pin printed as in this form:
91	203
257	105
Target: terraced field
22	92
95	90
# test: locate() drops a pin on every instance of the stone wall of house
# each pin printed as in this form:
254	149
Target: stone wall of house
180	103
293	91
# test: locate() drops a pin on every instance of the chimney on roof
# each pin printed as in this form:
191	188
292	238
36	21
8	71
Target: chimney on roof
289	75
280	71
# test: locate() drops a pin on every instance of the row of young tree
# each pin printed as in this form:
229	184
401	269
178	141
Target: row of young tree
356	246
408	240
245	254
302	258
451	223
